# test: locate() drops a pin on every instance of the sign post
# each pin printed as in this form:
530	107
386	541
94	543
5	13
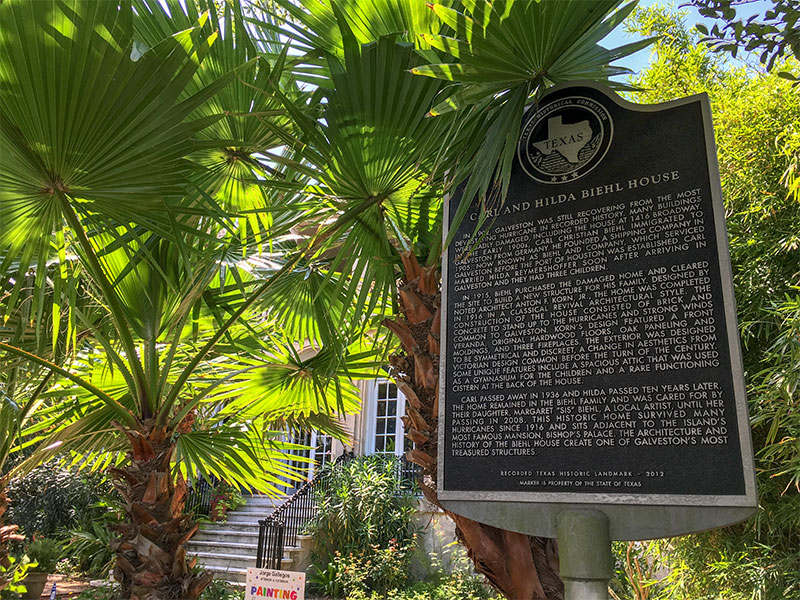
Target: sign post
585	558
261	584
591	369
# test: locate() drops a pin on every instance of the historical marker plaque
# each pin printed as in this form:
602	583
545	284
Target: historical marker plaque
590	349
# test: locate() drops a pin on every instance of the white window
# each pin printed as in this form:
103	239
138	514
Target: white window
384	431
320	453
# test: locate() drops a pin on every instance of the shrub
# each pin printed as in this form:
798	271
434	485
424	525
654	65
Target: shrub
374	569
363	505
363	529
45	552
50	500
89	544
458	586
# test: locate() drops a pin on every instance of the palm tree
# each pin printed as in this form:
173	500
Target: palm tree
121	170
378	153
165	180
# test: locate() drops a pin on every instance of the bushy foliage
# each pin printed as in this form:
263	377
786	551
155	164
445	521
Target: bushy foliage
105	592
636	566
78	509
459	586
45	553
774	34
52	499
364	504
757	125
375	569
449	576
89	544
222	590
363	530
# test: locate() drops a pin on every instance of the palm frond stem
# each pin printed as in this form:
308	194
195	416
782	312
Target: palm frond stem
112	301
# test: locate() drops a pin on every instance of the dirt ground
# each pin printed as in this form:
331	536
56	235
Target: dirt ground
66	587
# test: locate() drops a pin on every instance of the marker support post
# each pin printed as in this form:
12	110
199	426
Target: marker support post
584	548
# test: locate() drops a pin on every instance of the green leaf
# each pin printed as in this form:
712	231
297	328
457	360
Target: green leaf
508	53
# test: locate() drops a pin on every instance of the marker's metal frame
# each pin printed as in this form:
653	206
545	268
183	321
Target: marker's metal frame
631	516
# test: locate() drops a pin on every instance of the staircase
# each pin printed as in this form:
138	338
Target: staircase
229	548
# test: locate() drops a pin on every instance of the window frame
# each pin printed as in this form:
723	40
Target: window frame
370	429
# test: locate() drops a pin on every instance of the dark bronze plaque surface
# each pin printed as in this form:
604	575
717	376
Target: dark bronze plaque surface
590	346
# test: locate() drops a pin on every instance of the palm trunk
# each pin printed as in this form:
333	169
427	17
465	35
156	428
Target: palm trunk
151	548
520	567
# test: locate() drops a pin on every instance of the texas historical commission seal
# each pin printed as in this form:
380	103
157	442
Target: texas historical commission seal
565	139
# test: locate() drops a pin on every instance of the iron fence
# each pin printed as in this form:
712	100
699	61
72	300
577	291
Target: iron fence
199	497
408	475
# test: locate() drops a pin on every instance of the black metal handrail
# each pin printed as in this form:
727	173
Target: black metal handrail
270	544
280	529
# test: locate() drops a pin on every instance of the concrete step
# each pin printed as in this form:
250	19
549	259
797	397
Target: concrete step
231	575
264	500
226	535
223	561
254	509
229	547
243	523
224	546
240	518
300	541
233	528
250	512
237	524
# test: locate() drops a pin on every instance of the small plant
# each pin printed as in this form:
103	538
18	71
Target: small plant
89	545
449	575
14	577
45	552
103	592
90	551
226	497
445	558
325	580
635	570
221	590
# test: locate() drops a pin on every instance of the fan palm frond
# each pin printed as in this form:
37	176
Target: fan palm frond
506	54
